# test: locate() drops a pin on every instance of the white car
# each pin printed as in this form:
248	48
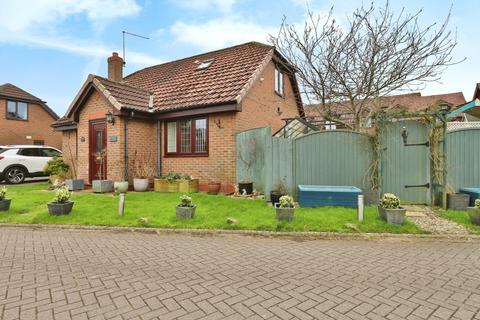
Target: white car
18	162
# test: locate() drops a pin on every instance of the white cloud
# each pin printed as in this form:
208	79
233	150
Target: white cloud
21	15
222	5
221	32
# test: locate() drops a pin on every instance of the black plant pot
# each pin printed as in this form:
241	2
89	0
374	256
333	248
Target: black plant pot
247	186
5	204
275	198
58	209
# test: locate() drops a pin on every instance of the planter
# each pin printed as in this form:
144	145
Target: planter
275	198
120	186
247	186
75	184
185	212
284	214
102	186
5	204
172	186
457	201
188	186
214	187
393	216
474	214
140	185
58	209
160	185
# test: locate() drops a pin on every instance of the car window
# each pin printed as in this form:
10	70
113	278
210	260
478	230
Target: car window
47	152
1	150
30	152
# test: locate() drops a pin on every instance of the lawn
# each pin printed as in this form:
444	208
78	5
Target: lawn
29	206
459	217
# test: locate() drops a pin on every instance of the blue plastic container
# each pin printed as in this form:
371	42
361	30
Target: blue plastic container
474	194
320	196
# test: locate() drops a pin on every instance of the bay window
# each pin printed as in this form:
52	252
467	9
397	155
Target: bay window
187	137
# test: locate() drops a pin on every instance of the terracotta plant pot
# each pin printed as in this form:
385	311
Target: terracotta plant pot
140	185
185	212
474	214
160	185
5	204
214	187
188	186
58	209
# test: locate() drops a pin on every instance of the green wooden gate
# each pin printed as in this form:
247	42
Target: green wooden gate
405	168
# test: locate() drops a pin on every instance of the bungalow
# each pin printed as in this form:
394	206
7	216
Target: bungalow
181	116
26	119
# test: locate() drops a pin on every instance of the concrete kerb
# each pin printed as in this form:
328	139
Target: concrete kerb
298	236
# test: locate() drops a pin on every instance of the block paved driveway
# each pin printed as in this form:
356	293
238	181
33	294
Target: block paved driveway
65	274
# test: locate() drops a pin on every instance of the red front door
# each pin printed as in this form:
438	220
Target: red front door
98	150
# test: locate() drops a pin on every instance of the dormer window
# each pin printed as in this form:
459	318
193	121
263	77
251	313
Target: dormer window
278	81
204	64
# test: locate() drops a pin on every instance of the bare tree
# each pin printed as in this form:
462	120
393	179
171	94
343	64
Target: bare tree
377	53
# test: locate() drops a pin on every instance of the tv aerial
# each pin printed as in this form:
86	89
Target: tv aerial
123	38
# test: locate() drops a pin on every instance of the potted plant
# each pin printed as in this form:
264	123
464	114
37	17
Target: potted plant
457	201
73	184
389	209
185	209
245	187
120	186
4	202
277	192
160	184
172	181
102	185
285	208
61	203
214	186
57	169
474	213
188	184
143	169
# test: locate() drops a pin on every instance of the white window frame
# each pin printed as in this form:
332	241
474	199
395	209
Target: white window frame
279	82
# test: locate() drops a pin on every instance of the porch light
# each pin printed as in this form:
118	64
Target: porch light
110	117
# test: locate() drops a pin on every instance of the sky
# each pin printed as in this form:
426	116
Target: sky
48	47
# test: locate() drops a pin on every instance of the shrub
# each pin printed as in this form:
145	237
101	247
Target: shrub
62	195
286	202
390	201
279	188
56	166
185	201
3	193
477	203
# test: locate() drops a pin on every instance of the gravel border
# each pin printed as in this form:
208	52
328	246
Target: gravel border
299	236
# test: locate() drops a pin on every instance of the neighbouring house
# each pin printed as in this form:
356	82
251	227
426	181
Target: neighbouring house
410	102
26	119
181	116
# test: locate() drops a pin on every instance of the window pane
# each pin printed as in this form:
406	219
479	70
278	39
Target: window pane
201	135
33	152
50	153
276	79
22	110
185	136
172	137
12	109
280	83
99	141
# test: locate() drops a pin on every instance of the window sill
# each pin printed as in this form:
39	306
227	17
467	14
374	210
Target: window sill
190	155
13	119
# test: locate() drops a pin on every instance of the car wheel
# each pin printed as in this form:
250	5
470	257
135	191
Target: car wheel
15	175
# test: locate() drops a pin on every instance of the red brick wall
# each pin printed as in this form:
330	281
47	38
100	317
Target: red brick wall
37	127
142	148
259	107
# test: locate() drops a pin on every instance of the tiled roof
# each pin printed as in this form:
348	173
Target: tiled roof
180	85
411	102
125	95
9	90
